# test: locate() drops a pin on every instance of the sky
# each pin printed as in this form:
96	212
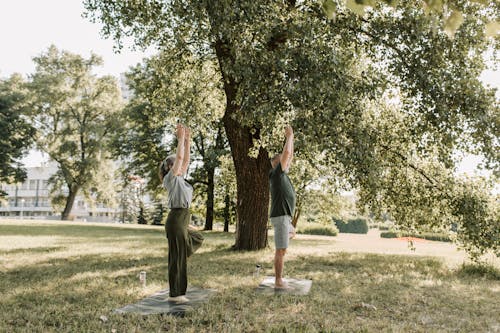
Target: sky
29	27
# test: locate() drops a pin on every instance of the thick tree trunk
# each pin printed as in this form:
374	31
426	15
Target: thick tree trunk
252	188
252	182
209	217
70	200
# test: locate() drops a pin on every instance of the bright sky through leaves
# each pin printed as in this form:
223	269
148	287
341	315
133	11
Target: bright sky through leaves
30	26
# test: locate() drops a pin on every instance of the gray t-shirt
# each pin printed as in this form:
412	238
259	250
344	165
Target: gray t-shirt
180	192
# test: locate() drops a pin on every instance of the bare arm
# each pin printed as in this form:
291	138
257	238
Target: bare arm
287	154
187	149
179	153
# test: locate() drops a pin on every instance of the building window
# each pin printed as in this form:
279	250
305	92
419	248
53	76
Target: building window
33	184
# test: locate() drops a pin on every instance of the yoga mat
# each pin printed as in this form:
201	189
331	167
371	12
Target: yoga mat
297	286
158	303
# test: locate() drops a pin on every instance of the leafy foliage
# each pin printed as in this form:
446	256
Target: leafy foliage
424	235
167	89
73	113
17	133
377	91
318	230
354	226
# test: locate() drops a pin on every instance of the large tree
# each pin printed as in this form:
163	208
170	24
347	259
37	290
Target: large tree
17	134
73	111
326	69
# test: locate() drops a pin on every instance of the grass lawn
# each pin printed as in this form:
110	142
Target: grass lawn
62	277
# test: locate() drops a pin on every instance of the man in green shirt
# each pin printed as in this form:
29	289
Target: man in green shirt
282	205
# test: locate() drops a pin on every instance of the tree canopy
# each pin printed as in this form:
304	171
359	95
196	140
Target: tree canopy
383	95
73	112
17	133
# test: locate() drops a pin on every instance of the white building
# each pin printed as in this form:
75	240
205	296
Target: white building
31	200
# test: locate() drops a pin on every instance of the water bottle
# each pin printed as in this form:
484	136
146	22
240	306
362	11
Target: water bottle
257	270
142	278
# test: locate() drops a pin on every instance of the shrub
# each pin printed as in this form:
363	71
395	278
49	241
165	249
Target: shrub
389	234
353	226
319	230
481	270
383	227
434	236
425	235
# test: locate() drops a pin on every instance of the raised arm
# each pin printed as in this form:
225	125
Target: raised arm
187	149
287	154
179	153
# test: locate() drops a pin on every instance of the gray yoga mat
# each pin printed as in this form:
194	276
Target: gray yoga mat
297	286
158	303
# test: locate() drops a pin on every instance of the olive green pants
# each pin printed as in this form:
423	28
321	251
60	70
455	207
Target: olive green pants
182	243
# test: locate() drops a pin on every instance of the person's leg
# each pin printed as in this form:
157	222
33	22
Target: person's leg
177	252
195	240
279	262
281	239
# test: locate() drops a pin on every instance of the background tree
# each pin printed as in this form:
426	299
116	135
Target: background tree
73	112
164	93
225	192
324	68
17	133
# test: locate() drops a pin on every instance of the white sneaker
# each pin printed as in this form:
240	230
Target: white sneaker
178	299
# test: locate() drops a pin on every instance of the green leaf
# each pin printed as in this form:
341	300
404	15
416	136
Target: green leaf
453	22
492	29
392	3
355	7
329	7
433	6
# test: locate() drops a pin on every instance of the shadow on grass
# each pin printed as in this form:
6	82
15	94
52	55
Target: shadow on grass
90	231
34	250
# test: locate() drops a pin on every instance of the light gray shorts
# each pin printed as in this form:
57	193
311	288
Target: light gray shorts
282	228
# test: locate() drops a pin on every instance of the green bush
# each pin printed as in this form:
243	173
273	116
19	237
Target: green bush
389	234
383	227
353	226
319	230
434	236
425	235
481	270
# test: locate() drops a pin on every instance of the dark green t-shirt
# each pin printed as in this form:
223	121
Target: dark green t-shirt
282	193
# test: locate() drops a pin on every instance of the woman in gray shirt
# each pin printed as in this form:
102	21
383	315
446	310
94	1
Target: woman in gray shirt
182	242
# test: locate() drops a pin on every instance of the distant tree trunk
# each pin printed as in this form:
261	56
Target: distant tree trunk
70	200
227	212
209	218
296	216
